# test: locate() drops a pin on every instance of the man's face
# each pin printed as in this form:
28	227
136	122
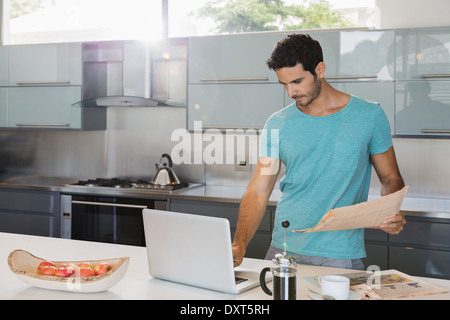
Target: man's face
300	85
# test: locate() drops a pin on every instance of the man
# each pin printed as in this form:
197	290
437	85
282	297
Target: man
327	141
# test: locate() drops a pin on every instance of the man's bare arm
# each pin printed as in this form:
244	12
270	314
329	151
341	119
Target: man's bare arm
386	167
253	205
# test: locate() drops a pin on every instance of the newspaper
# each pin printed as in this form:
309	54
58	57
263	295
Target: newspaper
391	284
362	215
386	285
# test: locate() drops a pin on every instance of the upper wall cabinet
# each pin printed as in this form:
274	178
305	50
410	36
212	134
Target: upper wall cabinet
47	64
231	58
423	53
357	54
3	66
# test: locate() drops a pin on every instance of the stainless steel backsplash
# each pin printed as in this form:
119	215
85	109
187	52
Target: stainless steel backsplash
137	137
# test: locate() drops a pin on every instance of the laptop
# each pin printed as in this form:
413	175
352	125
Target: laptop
194	250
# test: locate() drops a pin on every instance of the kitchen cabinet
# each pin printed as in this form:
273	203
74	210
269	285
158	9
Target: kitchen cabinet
233	105
422	248
44	81
422	53
422	107
357	54
50	107
29	212
4	52
259	244
3	107
45	64
423	73
229	83
231	58
377	250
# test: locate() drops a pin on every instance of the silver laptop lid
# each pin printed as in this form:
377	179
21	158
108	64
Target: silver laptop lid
189	249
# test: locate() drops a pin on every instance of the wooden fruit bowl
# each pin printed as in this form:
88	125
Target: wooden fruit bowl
24	265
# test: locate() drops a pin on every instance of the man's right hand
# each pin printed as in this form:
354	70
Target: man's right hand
238	255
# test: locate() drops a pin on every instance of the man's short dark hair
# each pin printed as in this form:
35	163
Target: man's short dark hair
295	49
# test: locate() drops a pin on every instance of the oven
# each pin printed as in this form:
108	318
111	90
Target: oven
107	219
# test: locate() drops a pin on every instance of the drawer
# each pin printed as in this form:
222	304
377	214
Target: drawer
425	234
31	201
420	262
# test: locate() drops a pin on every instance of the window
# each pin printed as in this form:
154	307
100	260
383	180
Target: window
44	21
48	21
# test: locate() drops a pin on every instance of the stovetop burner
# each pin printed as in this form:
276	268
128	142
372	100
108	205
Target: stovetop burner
128	184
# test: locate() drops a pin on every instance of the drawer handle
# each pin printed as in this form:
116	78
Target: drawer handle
110	204
42	124
234	79
352	77
435	130
425	76
37	83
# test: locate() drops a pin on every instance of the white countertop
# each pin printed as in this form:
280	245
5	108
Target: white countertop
137	284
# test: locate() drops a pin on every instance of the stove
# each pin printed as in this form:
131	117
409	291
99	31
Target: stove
137	184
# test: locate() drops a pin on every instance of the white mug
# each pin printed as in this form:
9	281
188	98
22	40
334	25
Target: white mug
337	287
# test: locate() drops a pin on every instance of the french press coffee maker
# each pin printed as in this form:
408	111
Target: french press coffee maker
284	273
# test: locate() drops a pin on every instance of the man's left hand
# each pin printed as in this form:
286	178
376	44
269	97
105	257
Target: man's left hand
394	224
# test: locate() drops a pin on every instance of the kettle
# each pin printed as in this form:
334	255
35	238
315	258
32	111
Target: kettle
164	175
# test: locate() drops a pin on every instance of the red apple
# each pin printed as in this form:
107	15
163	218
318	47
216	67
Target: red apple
48	271
44	264
86	272
65	271
85	265
102	268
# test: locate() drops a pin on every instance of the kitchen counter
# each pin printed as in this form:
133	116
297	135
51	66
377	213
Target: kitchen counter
430	207
137	282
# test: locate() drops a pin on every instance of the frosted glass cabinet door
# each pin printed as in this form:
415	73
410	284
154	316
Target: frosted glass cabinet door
42	107
45	64
3	66
233	105
381	92
422	108
357	54
3	107
236	57
423	53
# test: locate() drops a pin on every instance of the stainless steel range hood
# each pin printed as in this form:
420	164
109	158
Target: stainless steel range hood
133	74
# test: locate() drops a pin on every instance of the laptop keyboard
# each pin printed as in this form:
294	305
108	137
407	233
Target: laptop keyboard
239	280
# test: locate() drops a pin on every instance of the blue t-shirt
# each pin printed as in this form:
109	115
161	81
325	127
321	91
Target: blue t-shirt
326	166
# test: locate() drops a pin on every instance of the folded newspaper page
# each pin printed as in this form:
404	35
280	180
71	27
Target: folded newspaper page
391	284
386	285
362	215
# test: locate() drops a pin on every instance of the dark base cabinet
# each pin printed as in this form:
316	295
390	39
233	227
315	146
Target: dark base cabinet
259	244
421	249
29	212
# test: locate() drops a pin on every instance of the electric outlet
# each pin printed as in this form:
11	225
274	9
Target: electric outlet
242	164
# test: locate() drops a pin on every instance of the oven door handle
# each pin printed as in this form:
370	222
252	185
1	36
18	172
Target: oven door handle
110	204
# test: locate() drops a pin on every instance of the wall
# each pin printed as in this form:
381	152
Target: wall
412	13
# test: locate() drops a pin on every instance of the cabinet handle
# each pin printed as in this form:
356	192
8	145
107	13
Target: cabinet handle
352	77
435	130
37	83
425	76
110	204
42	124
234	79
231	127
